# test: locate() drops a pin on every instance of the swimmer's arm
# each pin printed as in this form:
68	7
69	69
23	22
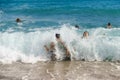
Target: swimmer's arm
47	49
63	43
67	50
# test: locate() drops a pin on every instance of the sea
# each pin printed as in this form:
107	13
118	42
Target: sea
42	19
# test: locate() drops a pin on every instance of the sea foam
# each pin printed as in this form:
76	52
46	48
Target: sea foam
102	44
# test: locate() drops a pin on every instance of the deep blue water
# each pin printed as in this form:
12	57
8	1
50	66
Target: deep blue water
49	13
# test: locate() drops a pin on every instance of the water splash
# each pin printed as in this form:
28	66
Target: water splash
102	44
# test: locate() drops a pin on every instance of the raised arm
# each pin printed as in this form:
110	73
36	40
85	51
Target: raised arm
47	49
67	50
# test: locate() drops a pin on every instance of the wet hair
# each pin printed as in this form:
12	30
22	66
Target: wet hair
18	20
57	35
109	24
76	26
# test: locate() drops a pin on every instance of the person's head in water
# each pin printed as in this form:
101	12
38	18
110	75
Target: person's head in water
76	26
85	34
109	25
18	20
57	36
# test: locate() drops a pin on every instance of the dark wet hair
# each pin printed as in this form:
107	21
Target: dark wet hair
109	24
57	35
76	26
18	20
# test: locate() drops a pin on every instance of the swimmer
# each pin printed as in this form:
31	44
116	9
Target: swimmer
51	51
76	26
63	47
109	25
85	34
18	20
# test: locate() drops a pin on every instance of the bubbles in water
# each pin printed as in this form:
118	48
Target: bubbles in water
102	44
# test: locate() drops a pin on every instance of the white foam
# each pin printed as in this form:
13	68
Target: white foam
102	44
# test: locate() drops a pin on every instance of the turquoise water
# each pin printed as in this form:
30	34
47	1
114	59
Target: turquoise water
41	19
49	13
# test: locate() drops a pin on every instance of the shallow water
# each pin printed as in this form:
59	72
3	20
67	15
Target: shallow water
63	70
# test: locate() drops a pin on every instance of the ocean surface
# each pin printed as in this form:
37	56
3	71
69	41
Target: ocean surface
41	19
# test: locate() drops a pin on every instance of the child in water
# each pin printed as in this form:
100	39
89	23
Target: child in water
51	51
109	26
18	20
85	34
61	45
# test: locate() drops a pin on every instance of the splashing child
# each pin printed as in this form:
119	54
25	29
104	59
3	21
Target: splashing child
51	51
